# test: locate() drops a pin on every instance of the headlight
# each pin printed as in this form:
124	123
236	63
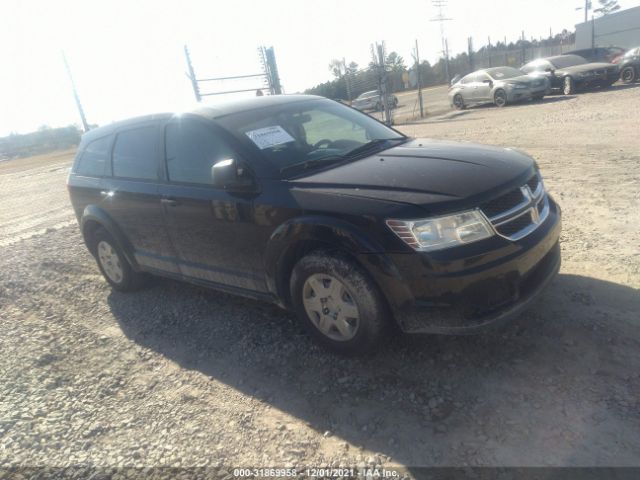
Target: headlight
442	232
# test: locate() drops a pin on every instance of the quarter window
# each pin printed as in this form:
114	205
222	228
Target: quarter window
134	154
192	148
93	160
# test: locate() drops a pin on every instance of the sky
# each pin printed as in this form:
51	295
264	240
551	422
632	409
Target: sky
127	56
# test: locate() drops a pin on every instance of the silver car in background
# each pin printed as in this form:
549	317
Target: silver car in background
498	85
373	101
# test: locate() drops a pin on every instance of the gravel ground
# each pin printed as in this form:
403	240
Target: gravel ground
180	376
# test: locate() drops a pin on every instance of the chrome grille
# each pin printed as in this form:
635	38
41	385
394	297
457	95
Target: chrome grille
519	212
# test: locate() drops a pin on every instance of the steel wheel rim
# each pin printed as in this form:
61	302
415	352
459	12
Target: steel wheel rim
110	262
627	75
500	99
567	86
330	307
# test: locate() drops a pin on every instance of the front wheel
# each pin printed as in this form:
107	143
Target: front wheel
568	86
338	304
458	102
500	98
628	75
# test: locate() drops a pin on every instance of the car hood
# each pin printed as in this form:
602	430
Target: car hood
585	67
436	175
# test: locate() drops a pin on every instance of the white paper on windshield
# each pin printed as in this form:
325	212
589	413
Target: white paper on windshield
269	136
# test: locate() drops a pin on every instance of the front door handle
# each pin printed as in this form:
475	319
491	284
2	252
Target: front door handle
169	202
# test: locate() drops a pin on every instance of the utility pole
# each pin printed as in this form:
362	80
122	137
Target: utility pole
382	82
346	78
85	125
192	75
419	80
440	18
470	53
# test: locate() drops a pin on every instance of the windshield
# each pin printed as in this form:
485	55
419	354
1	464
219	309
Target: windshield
307	133
567	61
501	73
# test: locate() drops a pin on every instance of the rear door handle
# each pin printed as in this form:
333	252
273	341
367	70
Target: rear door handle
169	202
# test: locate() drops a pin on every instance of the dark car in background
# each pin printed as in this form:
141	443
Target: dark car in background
320	209
570	73
372	100
600	54
630	66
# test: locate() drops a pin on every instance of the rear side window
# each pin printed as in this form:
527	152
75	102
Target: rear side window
93	160
191	149
134	154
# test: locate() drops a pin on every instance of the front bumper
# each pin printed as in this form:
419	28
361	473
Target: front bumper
479	285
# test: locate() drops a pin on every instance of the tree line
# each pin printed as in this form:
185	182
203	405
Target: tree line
44	140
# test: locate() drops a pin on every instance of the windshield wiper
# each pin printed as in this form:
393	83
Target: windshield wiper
351	155
313	163
367	147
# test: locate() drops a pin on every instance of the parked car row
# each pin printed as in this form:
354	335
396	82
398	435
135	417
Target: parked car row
567	74
373	100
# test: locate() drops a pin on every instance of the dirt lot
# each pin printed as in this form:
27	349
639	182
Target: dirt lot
176	375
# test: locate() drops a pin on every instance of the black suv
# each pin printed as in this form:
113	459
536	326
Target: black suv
312	205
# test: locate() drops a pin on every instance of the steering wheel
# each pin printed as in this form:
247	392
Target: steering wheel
320	143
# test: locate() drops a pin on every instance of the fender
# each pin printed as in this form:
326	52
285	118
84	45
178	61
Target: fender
96	214
289	241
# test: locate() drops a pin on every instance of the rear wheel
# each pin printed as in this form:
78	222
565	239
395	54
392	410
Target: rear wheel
568	86
113	264
500	98
338	304
628	75
458	102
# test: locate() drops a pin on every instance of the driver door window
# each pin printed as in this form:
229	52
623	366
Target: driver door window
192	148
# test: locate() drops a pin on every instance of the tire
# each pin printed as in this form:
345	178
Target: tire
113	264
458	102
500	98
537	98
356	321
628	75
568	86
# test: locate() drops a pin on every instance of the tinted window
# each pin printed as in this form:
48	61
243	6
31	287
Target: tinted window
567	61
134	154
500	73
191	150
536	66
93	160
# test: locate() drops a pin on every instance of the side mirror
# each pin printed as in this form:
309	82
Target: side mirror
224	173
487	81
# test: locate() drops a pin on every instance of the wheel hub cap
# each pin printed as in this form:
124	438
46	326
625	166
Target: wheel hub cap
110	262
331	307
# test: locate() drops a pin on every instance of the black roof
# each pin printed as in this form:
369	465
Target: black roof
211	112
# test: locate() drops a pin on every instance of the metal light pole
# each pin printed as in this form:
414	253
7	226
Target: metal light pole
85	125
